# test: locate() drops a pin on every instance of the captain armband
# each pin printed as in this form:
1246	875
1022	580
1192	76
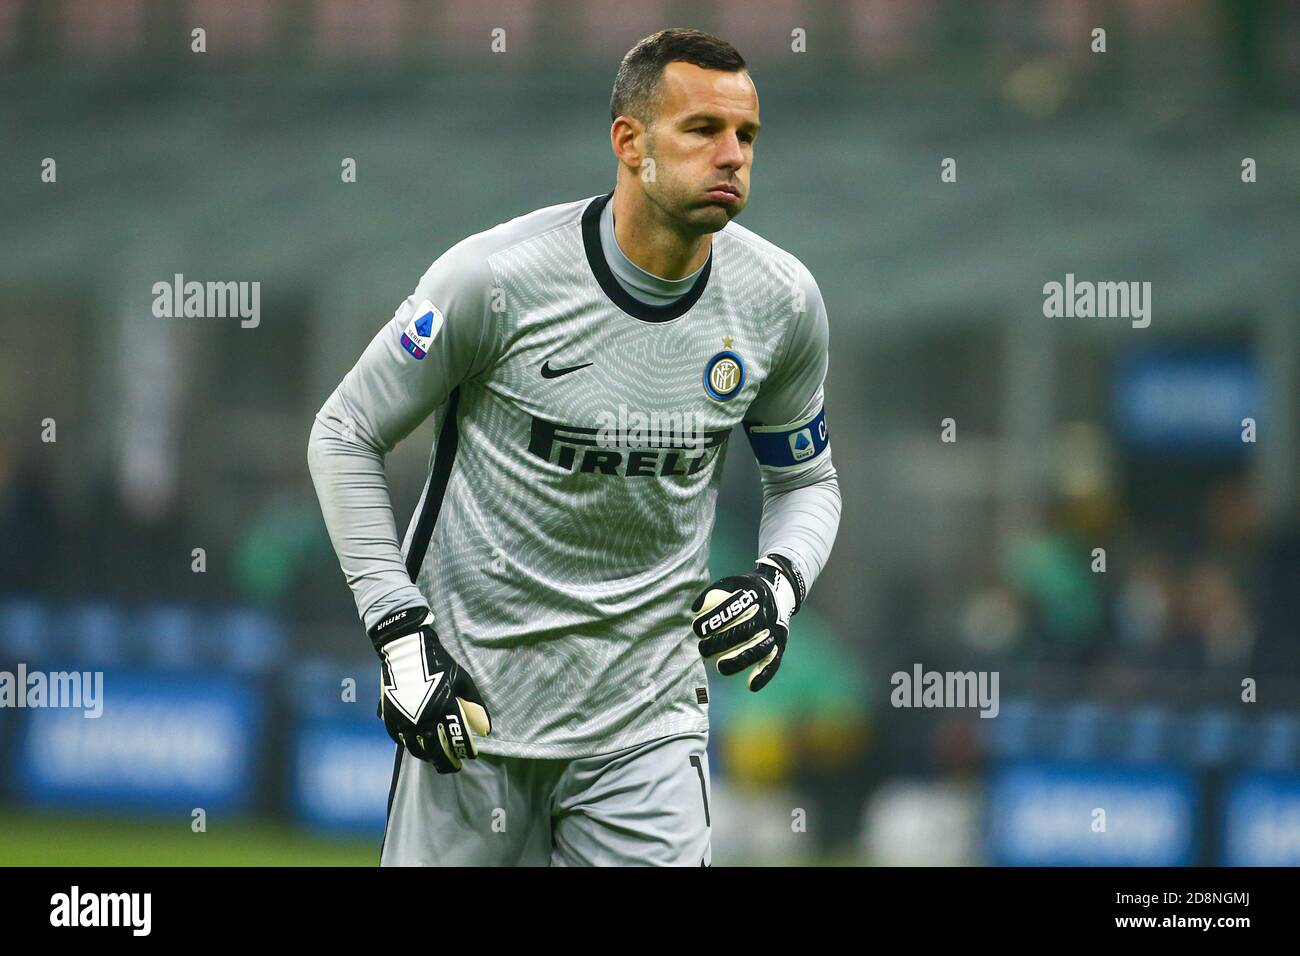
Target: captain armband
785	446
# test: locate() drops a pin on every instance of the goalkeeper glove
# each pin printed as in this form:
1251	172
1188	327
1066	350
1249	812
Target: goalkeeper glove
428	702
743	620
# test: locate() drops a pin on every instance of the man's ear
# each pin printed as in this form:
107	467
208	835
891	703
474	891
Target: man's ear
627	139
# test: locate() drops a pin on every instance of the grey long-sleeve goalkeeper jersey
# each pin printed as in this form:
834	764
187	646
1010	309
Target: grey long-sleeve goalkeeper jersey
563	530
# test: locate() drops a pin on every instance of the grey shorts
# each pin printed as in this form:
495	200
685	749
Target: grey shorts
647	805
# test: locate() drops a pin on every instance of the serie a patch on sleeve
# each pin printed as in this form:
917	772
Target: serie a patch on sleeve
422	329
784	446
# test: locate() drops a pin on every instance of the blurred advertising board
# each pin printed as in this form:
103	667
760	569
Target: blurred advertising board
1185	401
1261	820
342	770
160	741
1050	813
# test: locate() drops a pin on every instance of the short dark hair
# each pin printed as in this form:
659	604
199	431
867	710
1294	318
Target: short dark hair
638	85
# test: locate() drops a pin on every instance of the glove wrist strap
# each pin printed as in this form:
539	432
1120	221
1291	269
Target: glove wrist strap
399	624
785	581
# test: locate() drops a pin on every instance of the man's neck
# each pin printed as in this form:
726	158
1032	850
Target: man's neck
649	240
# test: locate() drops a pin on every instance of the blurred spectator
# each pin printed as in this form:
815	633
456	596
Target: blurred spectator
28	523
1144	604
1215	610
285	552
1052	571
1277	603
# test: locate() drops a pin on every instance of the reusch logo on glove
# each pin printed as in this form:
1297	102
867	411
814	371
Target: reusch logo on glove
457	735
739	604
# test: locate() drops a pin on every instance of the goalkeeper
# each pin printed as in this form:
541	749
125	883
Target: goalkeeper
543	627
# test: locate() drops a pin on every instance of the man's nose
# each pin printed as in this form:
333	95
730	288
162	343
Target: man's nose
729	152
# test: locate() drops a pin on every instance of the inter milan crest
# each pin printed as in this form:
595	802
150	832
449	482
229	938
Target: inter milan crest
422	329
724	374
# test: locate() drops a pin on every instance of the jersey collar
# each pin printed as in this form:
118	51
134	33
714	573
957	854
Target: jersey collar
615	291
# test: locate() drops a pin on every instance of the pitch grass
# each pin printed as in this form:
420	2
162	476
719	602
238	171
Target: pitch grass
39	840
29	839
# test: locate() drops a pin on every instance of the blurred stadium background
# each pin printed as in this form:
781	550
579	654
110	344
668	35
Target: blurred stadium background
226	686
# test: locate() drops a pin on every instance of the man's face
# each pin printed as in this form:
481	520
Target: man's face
702	143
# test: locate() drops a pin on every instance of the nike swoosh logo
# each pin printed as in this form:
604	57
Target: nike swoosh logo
548	372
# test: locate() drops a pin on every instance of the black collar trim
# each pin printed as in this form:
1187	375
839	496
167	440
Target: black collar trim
617	294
